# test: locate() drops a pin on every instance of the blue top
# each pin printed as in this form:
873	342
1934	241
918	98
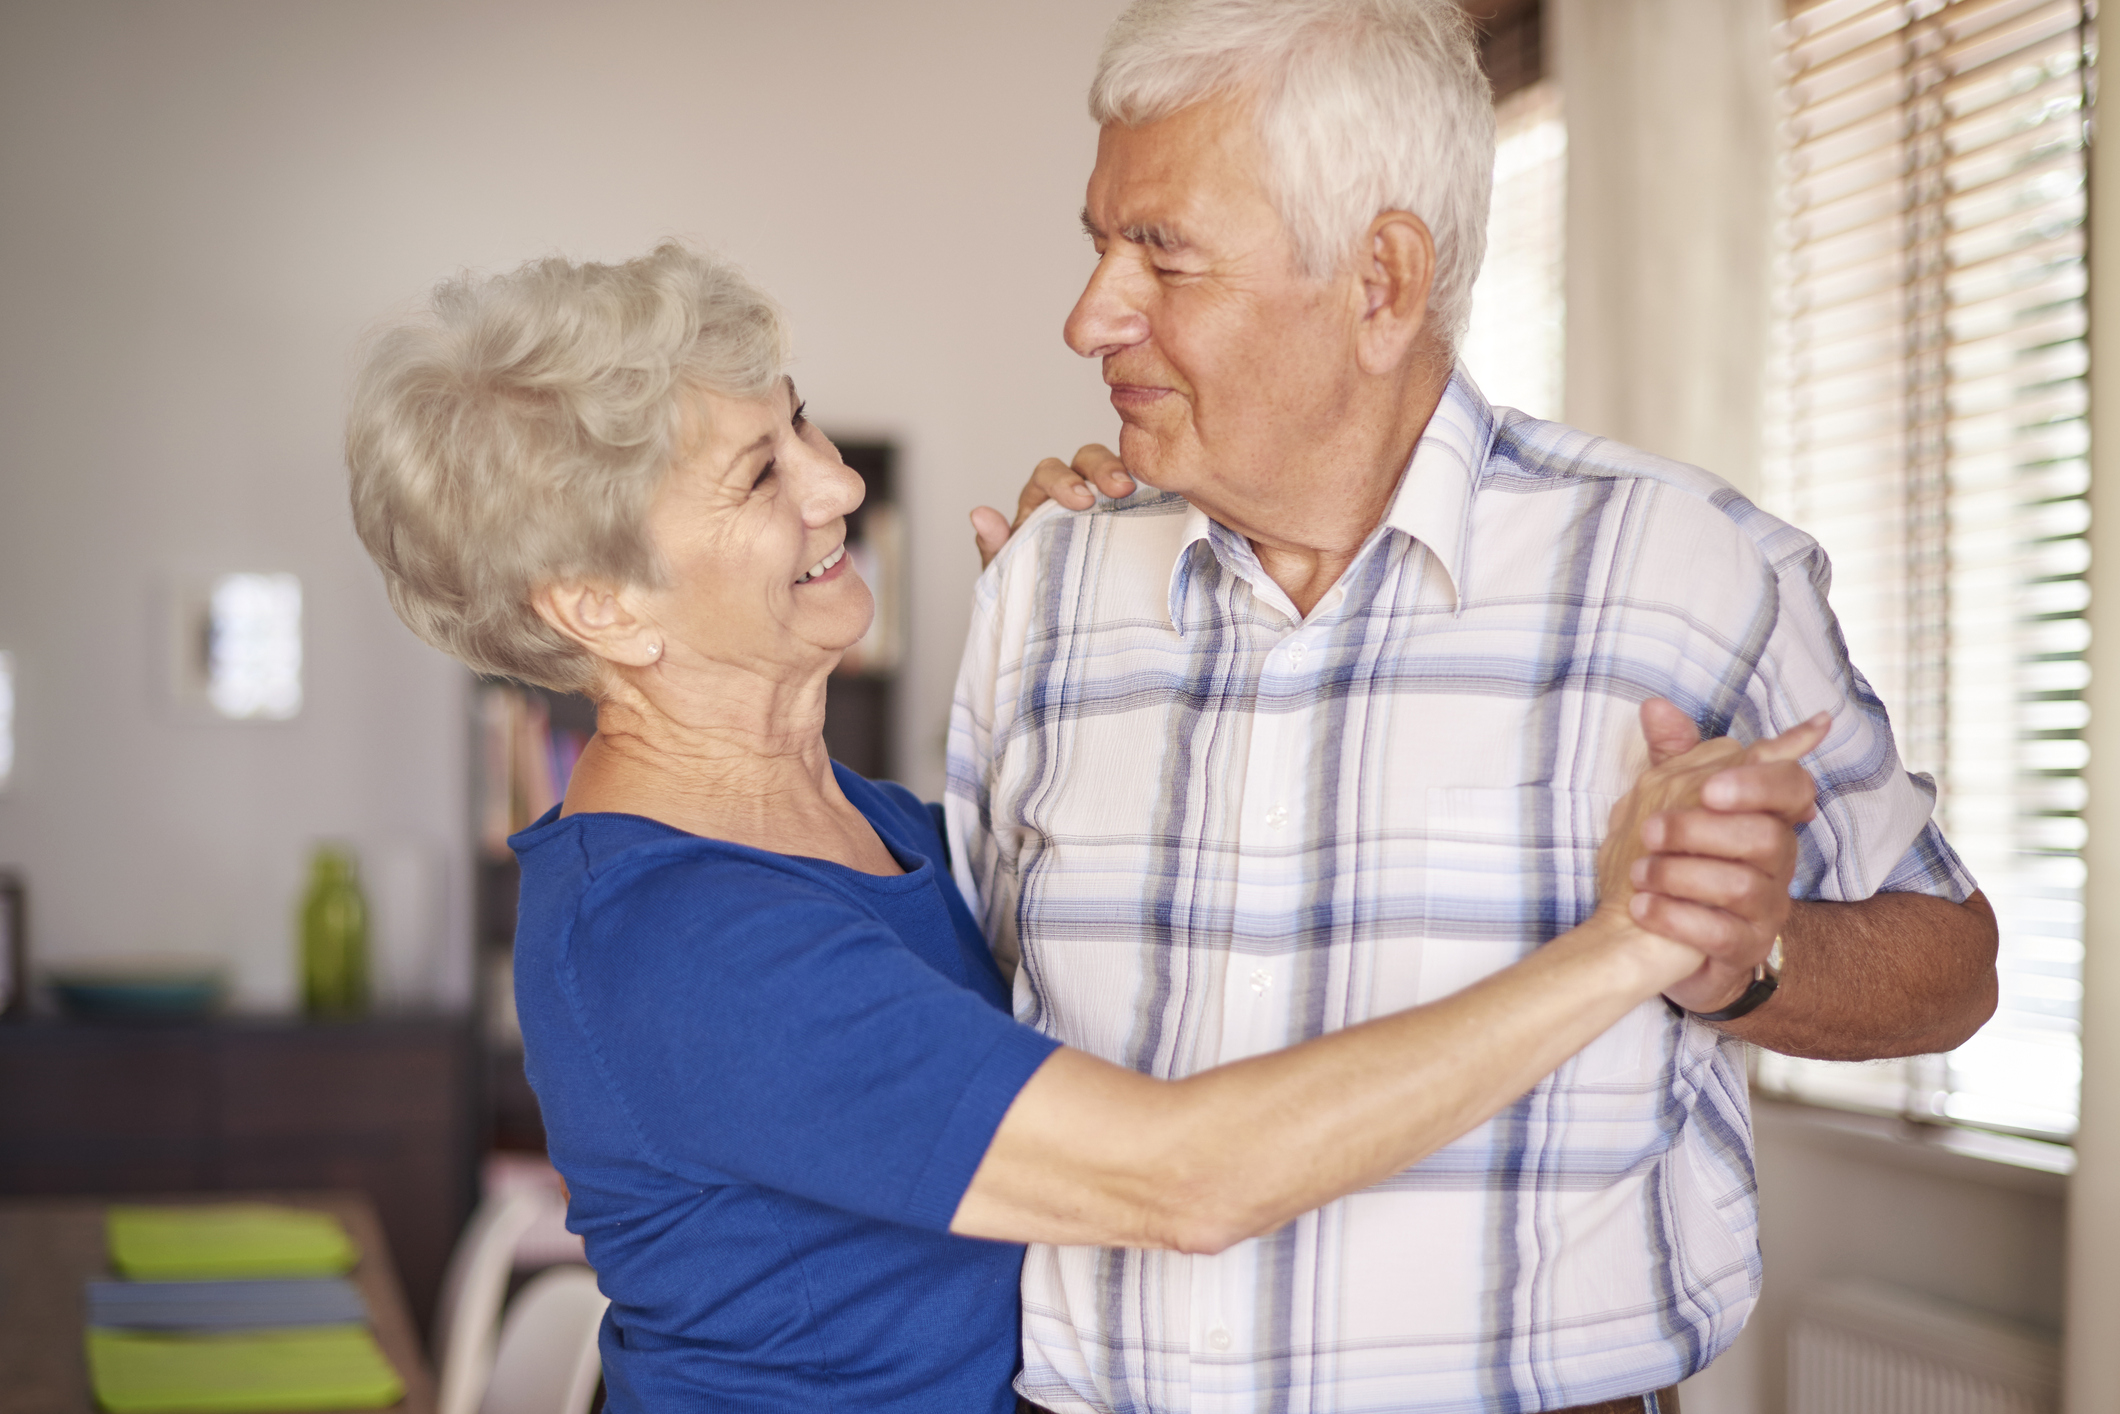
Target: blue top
768	1080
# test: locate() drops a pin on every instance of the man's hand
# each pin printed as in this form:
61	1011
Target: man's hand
1893	975
1053	480
1715	876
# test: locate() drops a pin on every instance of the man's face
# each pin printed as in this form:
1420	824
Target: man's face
1226	363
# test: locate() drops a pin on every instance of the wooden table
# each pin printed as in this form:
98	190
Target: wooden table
50	1247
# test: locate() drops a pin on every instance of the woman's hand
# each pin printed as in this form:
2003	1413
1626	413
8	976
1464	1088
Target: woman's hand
1671	790
1053	480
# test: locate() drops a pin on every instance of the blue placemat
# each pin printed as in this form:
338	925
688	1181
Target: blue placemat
224	1305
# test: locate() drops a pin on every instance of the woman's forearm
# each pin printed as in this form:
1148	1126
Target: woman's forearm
1092	1153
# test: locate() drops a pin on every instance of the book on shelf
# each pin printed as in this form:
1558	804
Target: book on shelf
525	762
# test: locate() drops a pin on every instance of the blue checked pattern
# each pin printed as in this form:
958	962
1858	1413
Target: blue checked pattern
1208	828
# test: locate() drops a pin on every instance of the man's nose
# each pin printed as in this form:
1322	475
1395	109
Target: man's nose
1106	319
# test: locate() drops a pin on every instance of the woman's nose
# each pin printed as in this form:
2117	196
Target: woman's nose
1105	319
831	489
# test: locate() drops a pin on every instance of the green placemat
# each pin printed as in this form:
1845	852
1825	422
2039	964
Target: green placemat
226	1240
321	1367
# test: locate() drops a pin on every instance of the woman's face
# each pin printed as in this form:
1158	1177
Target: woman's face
752	528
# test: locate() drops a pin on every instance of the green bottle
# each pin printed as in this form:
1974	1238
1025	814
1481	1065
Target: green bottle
334	937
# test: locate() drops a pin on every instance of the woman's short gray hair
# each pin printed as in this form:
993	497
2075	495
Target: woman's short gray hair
514	434
1364	106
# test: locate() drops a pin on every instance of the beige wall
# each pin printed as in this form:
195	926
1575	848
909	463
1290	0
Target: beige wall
202	204
1668	110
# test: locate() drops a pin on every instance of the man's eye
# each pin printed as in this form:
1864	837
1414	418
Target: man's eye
764	473
798	421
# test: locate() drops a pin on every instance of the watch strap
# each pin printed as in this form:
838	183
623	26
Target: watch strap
1766	980
1764	985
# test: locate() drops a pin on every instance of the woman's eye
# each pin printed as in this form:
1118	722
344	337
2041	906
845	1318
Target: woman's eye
764	473
798	420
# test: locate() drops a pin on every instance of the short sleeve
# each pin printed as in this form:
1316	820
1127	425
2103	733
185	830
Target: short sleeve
755	1027
1874	832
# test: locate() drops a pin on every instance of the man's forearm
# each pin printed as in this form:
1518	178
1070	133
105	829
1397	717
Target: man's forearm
1893	975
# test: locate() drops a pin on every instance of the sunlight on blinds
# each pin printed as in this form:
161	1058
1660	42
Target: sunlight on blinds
1927	424
1514	344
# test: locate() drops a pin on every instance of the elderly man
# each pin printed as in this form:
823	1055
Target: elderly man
1329	723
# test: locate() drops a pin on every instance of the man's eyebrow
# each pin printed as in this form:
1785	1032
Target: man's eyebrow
1152	233
1155	236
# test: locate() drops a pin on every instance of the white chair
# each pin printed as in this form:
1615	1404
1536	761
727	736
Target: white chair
547	1362
468	1320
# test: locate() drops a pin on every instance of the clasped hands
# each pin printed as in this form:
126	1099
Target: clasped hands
1700	851
1702	848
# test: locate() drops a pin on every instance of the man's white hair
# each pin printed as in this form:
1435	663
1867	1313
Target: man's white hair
1363	106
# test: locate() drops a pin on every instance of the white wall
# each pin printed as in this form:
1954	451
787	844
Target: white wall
1669	106
203	203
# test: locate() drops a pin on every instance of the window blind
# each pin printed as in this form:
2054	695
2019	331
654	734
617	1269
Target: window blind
1927	423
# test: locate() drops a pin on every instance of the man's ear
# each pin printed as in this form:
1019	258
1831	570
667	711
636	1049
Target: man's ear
599	618
1397	267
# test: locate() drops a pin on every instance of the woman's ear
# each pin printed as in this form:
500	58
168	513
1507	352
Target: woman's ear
599	618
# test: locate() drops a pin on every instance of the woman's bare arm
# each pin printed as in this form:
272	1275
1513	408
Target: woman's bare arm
1093	1153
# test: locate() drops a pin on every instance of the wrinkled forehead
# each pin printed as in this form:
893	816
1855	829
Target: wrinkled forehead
1183	177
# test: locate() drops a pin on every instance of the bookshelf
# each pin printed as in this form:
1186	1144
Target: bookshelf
525	741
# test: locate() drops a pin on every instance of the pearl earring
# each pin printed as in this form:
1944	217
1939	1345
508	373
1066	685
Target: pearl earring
655	650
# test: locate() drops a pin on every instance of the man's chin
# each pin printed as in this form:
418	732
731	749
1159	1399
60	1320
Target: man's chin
1148	460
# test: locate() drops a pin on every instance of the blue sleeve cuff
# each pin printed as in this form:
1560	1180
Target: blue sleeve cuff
1017	1052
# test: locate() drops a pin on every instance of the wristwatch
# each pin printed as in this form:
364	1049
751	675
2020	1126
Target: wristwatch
1766	978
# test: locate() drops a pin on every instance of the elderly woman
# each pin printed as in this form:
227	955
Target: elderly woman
777	1067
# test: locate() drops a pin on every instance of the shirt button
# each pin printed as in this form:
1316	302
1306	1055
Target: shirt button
1276	816
1261	979
1296	652
1218	1339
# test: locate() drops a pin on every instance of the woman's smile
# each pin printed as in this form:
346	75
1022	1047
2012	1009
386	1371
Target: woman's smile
826	568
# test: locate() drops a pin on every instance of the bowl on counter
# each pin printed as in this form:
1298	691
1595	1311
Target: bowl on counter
142	988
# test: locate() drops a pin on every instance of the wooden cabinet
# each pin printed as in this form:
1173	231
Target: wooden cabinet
381	1106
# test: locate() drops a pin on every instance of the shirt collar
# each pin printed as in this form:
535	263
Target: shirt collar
1433	504
1434	501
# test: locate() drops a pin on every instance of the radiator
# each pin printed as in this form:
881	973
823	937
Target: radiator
1864	1348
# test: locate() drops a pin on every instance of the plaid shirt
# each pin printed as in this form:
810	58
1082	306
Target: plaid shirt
1210	827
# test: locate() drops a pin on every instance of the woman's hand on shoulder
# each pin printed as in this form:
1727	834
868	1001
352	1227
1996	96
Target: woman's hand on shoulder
1070	484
